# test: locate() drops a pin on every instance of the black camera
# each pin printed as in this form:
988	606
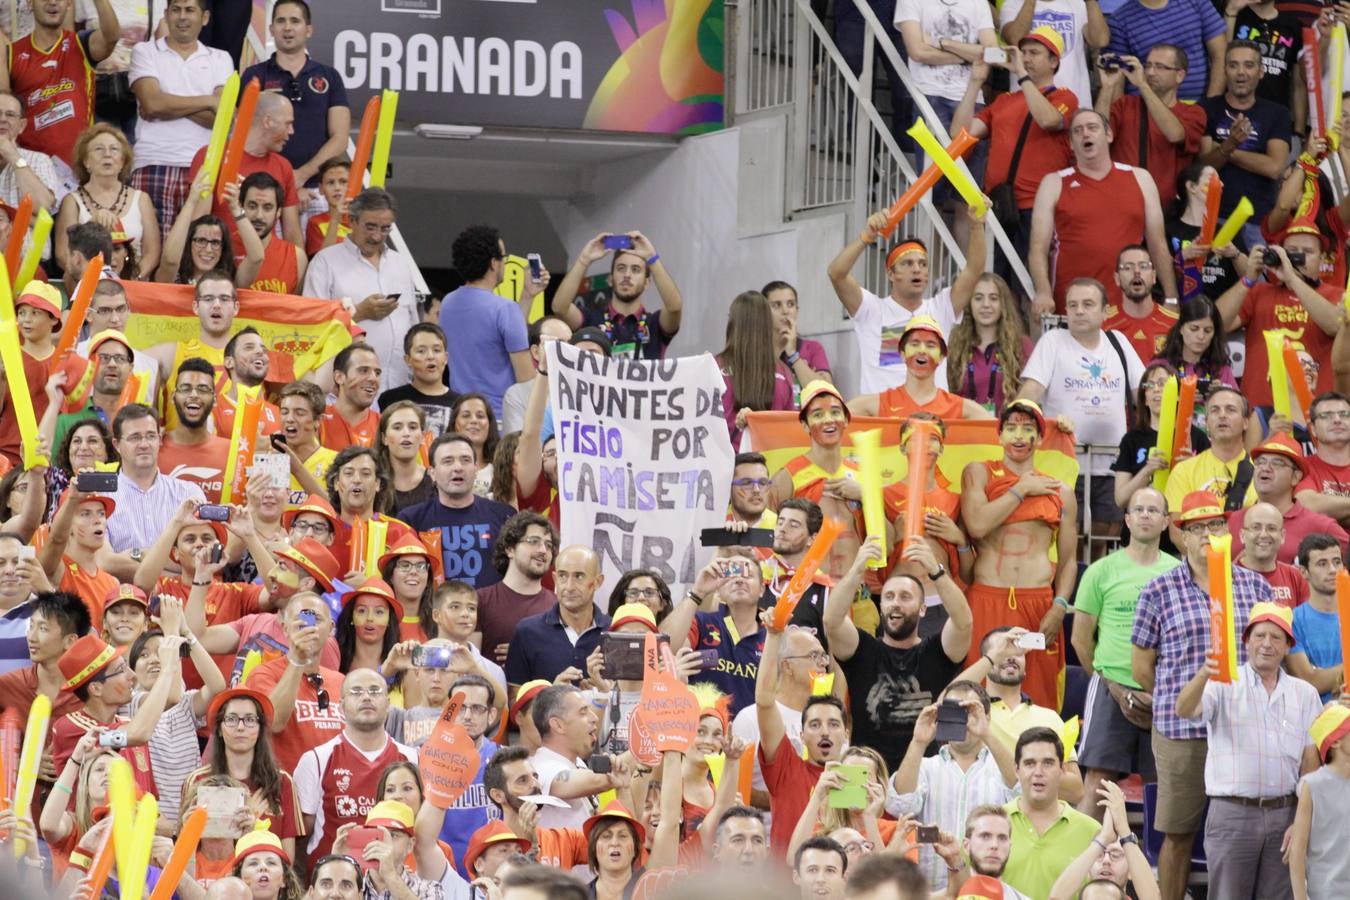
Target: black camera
1296	257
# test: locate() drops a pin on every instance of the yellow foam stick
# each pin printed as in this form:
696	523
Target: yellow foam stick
220	131
868	445
938	154
1068	735
1233	224
244	396
384	137
1167	429
377	538
1279	374
19	395
822	683
34	738
42	230
122	802
1337	83
717	764
132	885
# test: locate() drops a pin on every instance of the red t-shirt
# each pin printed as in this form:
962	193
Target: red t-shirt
67	731
19	688
790	781
279	272
1299	522
286	820
1148	334
35	375
1273	306
317	230
1333	267
225	602
336	433
1287	583
309	726
56	87
274	164
200	464
1044	151
1165	159
1089	242
262	633
1324	478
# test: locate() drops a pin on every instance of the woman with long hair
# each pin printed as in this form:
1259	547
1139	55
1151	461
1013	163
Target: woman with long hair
988	347
503	487
1203	272
241	748
1136	463
265	866
102	161
642	586
199	242
399	444
402	781
472	417
755	378
407	568
83	445
368	626
1196	345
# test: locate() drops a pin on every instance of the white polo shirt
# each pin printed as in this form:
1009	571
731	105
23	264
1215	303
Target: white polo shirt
172	142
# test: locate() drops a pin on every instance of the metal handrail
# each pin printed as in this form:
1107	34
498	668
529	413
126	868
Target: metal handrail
935	125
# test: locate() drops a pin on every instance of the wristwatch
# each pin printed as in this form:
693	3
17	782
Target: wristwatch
1130	838
136	554
934	576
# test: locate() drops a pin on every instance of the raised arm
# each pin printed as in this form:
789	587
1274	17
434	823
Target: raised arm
771	729
677	623
841	631
840	269
977	248
563	305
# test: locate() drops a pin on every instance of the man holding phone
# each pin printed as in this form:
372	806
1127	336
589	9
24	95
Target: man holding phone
636	332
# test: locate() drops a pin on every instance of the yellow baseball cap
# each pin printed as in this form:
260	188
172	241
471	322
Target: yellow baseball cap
1332	724
1047	36
820	388
1275	614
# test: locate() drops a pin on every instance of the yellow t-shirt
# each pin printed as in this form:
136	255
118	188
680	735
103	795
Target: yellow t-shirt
1008	724
1204	472
317	463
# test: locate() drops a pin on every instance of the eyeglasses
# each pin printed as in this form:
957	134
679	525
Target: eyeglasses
1157	384
641	593
535	540
120	359
1335	415
111	672
815	656
373	693
760	483
477	710
320	695
859	847
1271	461
146	437
409	566
373	228
317	528
213	243
1210	526
233	721
187	390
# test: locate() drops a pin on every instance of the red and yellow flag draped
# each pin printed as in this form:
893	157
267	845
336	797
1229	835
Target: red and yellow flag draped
780	437
304	330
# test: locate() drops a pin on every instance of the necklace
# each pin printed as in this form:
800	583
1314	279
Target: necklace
116	205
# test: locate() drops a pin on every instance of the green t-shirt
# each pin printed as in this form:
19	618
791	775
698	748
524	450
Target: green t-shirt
1109	590
1038	859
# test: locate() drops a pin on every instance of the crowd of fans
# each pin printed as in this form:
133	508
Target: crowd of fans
905	732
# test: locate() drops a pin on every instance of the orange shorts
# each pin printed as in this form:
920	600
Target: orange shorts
995	607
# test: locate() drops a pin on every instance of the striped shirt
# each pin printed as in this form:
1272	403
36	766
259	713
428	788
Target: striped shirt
944	796
14	636
142	516
174	752
1172	618
1188	24
1257	737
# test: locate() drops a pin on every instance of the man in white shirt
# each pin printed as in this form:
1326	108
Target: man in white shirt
879	321
1079	23
23	171
147	499
942	40
177	82
568	728
373	279
1089	377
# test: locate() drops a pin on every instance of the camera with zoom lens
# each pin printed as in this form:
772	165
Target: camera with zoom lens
1271	258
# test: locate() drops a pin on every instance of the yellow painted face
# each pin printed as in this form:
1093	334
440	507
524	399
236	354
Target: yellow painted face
1019	436
826	420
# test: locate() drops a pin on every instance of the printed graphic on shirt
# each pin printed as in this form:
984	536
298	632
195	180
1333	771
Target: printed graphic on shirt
896	702
890	345
466	551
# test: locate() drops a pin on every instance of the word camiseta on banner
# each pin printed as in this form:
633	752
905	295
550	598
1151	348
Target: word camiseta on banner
644	461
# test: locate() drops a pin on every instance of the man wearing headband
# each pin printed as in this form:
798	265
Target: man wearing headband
925	349
1014	514
878	321
1069	214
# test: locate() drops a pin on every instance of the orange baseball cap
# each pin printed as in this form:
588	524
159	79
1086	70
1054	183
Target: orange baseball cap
1197	506
1275	614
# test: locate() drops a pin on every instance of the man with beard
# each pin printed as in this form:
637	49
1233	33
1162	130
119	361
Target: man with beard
1278	465
109	310
247	361
1325	487
799	520
1259	747
349	420
523	555
892	678
1068	211
1115	737
1224	469
469	524
750	484
942	507
1287	296
336	781
822	474
216	304
635	331
189	450
987	845
1014	514
1316	655
924	347
554	645
283	266
508	778
1047	833
111	356
1143	323
944	788
568	728
789	774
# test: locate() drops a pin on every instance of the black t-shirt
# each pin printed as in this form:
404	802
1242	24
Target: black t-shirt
1280	40
420	494
468	536
809	612
1209	277
437	408
889	687
1269	123
1138	443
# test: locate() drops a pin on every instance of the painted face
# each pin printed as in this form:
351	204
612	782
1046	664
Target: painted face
826	421
1019	436
923	352
370	618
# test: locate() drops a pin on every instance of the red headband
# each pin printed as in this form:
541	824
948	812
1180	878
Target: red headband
902	249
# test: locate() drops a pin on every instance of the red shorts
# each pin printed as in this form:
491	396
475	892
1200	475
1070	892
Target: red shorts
995	607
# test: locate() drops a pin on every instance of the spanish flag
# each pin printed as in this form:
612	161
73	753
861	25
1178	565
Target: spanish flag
780	437
301	332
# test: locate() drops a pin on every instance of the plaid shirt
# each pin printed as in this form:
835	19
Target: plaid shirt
1173	619
1257	738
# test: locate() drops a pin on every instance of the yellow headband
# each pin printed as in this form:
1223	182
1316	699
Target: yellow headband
906	248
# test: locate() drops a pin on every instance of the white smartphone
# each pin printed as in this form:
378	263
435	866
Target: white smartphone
27	552
1032	640
996	56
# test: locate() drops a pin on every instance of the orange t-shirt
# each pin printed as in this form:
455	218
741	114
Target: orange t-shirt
336	433
896	403
563	848
309	726
91	587
225	602
201	464
222	417
1047	508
